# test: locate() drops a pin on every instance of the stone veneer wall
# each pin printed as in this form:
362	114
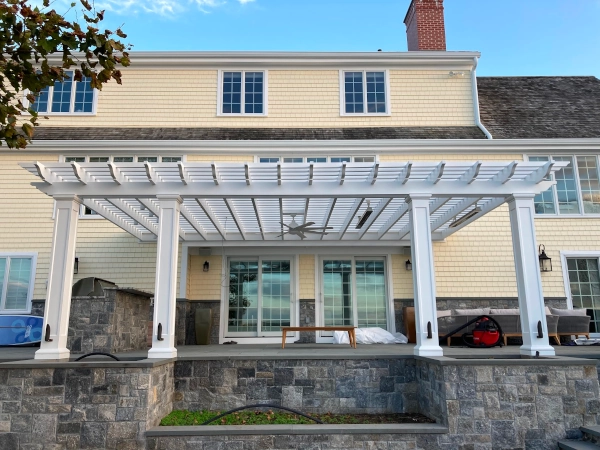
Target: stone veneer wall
81	407
468	303
307	319
114	323
316	385
504	406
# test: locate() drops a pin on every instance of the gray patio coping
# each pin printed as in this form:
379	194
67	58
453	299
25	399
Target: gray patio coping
220	430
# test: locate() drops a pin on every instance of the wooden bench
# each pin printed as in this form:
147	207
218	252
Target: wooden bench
350	330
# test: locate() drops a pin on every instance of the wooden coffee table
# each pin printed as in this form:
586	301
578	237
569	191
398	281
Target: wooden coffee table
350	330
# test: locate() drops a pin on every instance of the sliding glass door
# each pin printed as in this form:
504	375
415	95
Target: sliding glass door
260	296
584	287
354	292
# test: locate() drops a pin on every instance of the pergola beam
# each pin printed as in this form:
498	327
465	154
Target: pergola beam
395	217
187	215
134	214
236	218
380	208
454	211
350	216
112	217
211	216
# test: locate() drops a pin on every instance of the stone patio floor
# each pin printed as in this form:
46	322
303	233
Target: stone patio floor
318	351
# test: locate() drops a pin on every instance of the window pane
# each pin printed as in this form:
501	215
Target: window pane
587	167
268	160
243	296
316	160
544	202
232	92
292	160
362	159
254	93
353	83
371	294
276	295
99	159
61	97
75	159
585	287
18	283
84	96
2	276
123	159
566	188
147	159
376	92
337	293
171	158
41	101
340	159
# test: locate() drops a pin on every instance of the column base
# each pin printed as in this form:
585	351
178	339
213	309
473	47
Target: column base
162	353
531	350
428	350
52	353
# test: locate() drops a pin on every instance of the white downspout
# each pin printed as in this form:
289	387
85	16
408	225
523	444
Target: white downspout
476	100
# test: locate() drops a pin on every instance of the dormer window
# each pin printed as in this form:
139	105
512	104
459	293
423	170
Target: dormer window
242	93
364	93
67	97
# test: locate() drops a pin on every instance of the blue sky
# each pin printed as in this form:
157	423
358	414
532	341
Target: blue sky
515	37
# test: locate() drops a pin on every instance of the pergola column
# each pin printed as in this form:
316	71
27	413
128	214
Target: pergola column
423	276
163	335
529	282
60	280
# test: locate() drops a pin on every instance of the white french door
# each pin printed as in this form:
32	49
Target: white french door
353	292
259	295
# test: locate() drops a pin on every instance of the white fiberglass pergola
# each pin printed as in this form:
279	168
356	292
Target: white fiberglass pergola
246	204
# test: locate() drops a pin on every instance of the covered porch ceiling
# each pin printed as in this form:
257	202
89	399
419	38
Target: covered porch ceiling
246	204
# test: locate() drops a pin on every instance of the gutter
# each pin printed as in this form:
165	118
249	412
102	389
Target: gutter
476	100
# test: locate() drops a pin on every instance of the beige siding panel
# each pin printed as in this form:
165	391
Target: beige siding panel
565	235
307	276
401	278
25	214
205	285
296	99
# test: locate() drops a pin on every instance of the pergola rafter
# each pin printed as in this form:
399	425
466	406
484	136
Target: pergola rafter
330	194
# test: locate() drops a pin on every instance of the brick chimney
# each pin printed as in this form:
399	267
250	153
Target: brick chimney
425	25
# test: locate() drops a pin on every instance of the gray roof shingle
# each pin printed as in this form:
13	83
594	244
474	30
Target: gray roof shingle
252	134
540	107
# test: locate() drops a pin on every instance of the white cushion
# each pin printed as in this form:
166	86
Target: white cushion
505	312
471	312
444	313
568	312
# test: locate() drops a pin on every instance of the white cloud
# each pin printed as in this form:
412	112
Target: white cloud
160	7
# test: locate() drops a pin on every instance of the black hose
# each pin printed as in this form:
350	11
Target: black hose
98	353
261	406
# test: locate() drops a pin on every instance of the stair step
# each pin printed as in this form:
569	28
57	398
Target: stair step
593	430
576	445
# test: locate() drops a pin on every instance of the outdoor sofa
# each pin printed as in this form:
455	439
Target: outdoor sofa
561	322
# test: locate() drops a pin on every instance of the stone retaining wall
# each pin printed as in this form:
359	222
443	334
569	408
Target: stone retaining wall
316	385
108	407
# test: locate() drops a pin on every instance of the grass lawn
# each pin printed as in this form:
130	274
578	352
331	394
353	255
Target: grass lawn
270	417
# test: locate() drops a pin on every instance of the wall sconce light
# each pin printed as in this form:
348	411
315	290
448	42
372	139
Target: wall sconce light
545	261
76	267
408	264
206	266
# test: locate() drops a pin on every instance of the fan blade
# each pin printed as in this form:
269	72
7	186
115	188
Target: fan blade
318	228
301	234
285	225
315	232
307	224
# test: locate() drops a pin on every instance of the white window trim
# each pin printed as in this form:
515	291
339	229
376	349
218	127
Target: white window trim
265	112
33	257
564	254
557	215
294	307
388	103
71	107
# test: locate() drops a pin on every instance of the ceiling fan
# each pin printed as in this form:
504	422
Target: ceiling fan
300	230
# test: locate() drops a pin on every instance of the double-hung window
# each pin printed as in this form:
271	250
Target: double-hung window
364	93
577	189
17	274
243	93
315	159
66	97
